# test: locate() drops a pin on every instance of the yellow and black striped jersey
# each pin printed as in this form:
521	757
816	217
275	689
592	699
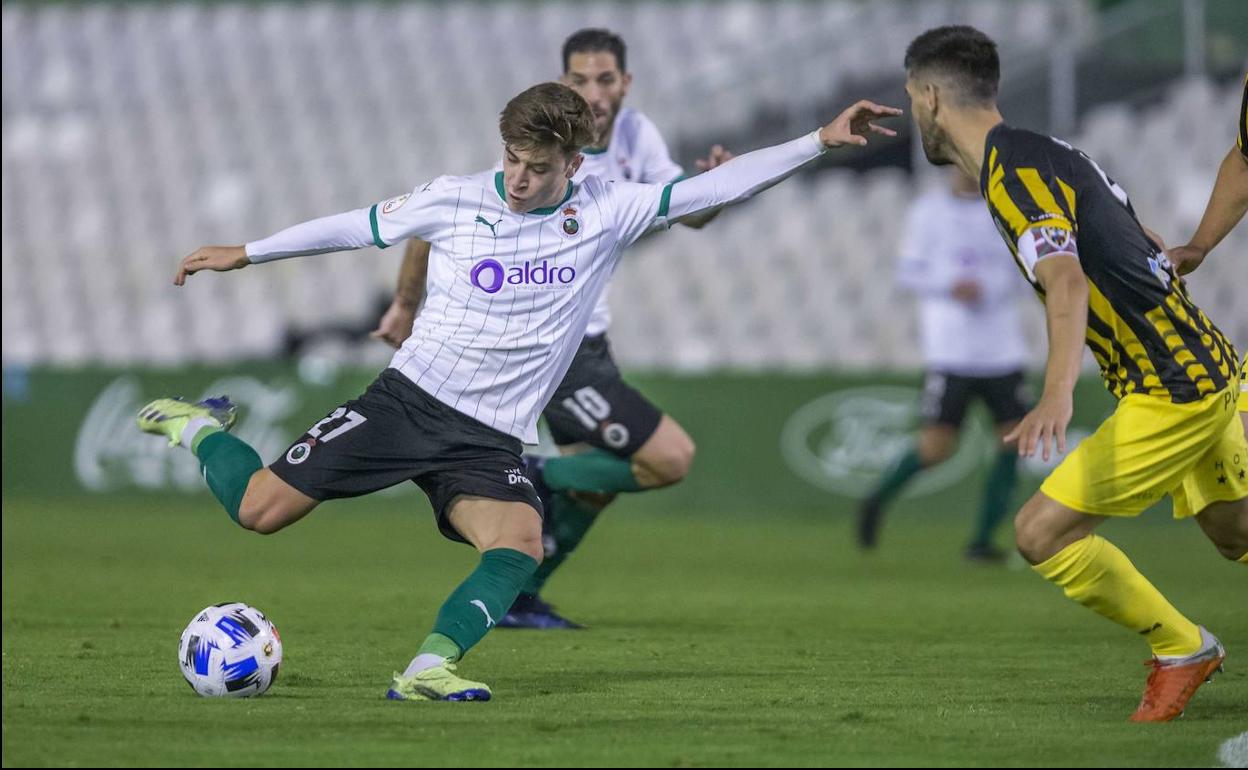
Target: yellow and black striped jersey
1146	333
1242	134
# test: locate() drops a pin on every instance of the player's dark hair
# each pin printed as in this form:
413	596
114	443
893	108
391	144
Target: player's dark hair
595	40
547	114
963	55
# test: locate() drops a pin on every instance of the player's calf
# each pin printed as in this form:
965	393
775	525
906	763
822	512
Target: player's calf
509	536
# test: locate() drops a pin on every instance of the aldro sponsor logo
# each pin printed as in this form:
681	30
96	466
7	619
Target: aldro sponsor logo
490	275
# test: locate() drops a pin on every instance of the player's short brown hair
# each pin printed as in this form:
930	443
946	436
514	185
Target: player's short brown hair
963	54
547	114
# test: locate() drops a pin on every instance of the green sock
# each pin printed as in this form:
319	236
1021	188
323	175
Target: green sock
202	434
227	463
478	603
997	493
596	471
895	479
442	646
569	521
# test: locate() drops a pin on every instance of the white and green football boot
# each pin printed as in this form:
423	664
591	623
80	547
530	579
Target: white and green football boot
436	683
170	416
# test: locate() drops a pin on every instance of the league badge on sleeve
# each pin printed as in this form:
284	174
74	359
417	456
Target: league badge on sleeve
394	204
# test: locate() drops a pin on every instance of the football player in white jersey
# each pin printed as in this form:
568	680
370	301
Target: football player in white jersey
973	348
518	262
611	437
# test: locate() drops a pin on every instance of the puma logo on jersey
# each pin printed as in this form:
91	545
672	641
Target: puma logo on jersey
489	621
486	222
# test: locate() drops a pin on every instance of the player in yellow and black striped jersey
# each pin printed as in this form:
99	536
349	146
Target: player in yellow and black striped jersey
1104	282
1144	330
1227	204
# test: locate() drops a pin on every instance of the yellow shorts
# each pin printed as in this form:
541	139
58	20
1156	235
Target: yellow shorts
1149	448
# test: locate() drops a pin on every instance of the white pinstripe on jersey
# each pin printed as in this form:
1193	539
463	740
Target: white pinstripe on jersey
508	295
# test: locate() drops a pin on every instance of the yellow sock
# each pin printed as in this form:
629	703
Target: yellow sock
1243	559
1093	572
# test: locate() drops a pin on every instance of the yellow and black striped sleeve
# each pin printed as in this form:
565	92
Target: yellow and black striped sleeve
1036	207
1025	198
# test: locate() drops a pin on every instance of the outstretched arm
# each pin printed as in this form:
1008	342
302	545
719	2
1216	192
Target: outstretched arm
746	175
338	232
718	156
1227	204
416	214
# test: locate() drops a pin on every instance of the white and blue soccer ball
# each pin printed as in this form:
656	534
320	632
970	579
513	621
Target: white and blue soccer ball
230	650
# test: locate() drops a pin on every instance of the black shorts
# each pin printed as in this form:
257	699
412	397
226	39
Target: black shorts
946	397
396	432
593	405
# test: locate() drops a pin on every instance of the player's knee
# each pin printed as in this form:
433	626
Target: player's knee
250	514
1231	542
1226	525
269	523
527	543
669	462
1235	551
259	517
937	444
936	454
264	511
524	537
1035	542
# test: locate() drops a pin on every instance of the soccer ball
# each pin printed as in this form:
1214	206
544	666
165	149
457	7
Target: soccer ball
230	650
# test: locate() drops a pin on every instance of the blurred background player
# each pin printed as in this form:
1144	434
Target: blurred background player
612	438
1227	204
1106	284
973	348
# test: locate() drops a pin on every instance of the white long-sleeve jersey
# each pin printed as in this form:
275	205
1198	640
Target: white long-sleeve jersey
510	294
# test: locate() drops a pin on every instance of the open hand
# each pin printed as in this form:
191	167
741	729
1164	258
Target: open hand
219	258
853	125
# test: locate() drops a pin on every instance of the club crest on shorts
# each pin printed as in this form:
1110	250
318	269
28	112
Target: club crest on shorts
615	435
299	452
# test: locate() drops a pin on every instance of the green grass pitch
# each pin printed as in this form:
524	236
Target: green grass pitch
715	640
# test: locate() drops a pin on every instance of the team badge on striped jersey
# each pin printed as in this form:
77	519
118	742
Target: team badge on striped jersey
571	225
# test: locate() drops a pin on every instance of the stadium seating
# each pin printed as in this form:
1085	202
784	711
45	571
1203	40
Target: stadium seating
134	132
